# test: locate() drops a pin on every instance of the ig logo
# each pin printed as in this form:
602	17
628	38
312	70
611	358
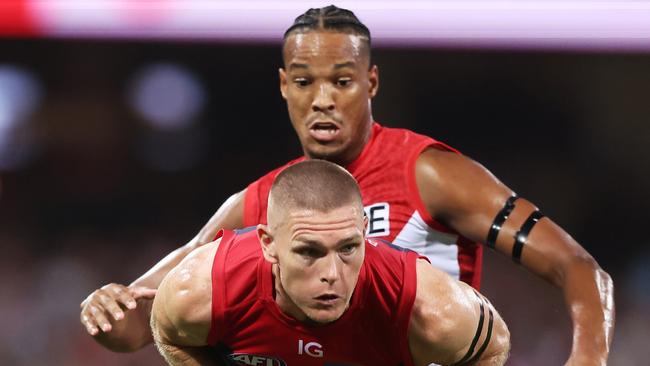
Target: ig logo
313	349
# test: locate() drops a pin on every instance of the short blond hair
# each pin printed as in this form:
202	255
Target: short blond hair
316	185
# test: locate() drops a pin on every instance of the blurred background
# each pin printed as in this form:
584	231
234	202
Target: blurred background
121	135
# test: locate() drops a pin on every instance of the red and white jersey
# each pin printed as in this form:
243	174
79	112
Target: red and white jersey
248	326
385	171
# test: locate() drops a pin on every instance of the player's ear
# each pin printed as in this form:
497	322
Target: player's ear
267	243
283	82
373	81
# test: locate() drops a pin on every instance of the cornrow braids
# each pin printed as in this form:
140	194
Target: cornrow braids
330	18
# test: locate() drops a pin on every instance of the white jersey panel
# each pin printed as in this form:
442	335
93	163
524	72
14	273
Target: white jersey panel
440	248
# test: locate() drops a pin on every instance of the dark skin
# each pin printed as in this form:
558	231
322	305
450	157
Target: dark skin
465	196
328	85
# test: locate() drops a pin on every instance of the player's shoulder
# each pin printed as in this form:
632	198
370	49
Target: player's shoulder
444	175
447	320
410	138
188	286
382	252
194	271
436	157
183	304
442	304
390	264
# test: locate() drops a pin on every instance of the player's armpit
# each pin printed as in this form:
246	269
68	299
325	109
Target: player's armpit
181	314
452	324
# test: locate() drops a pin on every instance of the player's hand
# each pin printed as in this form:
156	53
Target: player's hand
107	304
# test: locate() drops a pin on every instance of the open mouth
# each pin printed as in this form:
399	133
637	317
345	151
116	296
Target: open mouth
327	299
324	131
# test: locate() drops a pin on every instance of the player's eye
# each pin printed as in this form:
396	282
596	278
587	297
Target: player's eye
308	252
348	249
343	82
301	82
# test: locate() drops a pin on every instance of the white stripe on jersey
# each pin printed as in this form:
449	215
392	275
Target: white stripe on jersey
440	248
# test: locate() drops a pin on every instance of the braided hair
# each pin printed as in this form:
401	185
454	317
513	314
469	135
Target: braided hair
330	18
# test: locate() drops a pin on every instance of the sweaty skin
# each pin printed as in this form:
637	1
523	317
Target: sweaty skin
444	322
444	317
117	316
464	195
328	85
324	257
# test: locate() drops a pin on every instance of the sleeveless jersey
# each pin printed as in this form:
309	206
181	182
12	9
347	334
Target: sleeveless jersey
385	171
249	328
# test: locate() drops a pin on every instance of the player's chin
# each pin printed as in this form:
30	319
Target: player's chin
325	316
330	151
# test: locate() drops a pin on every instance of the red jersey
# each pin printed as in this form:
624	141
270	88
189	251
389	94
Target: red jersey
248	324
385	171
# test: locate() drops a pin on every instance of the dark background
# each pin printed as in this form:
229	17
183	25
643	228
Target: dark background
101	194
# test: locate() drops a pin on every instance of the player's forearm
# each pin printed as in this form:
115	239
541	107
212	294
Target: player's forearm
588	290
155	275
229	216
589	293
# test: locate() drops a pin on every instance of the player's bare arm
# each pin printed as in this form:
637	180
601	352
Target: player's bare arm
229	216
464	195
181	314
452	324
117	316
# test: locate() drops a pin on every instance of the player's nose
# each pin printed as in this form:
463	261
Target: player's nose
323	99
330	272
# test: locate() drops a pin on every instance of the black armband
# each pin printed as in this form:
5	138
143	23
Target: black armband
522	235
470	357
487	339
499	220
479	330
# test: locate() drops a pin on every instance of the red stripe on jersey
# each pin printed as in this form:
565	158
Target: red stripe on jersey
219	292
470	259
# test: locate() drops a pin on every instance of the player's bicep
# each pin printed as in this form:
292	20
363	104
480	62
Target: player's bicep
459	192
167	338
163	330
464	195
490	340
453	324
185	355
181	313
